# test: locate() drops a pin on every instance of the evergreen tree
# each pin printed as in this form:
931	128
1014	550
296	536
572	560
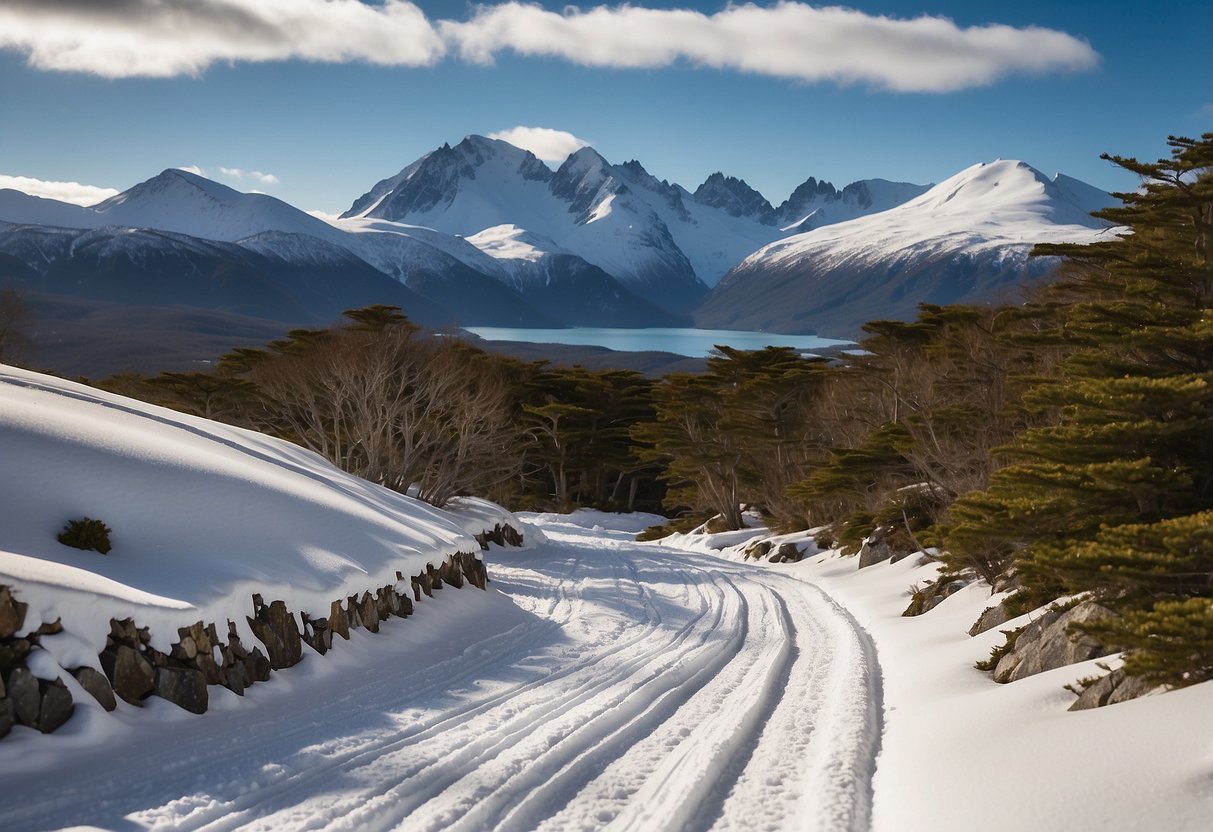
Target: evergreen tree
1101	499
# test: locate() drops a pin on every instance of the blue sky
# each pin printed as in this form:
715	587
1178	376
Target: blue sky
322	132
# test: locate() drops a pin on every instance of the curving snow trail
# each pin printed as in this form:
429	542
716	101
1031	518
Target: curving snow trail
600	683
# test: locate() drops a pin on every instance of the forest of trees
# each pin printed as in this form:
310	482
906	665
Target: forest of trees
1066	441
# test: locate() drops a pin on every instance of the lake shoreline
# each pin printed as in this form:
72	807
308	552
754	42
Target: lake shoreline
688	342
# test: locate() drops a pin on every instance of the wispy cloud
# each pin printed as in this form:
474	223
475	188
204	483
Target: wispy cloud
124	38
194	169
72	192
255	175
162	38
787	40
547	144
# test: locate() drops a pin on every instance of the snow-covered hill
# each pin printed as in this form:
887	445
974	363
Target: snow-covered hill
202	516
965	240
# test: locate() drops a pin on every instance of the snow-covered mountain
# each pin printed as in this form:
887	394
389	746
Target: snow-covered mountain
583	208
174	200
261	235
965	240
484	233
660	240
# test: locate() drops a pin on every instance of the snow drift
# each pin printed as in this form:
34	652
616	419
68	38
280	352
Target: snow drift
203	516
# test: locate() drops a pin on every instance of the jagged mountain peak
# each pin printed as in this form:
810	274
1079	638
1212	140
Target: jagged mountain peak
476	151
809	191
735	197
433	180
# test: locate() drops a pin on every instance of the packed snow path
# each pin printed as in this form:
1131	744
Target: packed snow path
599	683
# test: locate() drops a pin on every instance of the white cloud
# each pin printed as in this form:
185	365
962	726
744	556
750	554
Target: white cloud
547	144
194	169
255	175
72	192
788	40
163	38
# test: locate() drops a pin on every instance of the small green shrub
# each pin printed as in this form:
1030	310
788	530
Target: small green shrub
680	524
999	650
86	533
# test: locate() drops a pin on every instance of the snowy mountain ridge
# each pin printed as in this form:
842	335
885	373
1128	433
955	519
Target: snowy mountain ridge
968	239
495	236
659	239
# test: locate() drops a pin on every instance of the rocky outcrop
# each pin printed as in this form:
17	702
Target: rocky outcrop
132	670
990	618
25	699
502	534
879	547
756	549
926	598
1052	641
786	553
97	686
12	613
1115	687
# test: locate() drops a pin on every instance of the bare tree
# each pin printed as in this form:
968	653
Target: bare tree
395	407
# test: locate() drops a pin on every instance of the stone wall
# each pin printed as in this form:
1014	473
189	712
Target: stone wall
204	654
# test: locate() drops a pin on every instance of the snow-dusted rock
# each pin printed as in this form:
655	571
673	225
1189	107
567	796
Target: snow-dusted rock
1048	643
990	618
184	687
1110	689
96	685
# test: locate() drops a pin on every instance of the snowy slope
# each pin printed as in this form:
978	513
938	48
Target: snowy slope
961	752
601	683
564	285
814	204
986	206
965	240
597	682
203	515
21	208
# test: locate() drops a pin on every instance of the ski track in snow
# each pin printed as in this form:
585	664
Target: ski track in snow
623	686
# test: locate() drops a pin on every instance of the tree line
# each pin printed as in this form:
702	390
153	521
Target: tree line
1066	441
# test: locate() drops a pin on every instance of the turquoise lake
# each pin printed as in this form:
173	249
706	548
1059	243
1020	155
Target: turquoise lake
692	342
